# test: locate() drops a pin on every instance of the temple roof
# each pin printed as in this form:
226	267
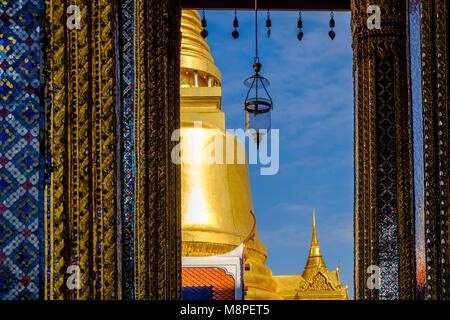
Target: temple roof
207	283
316	282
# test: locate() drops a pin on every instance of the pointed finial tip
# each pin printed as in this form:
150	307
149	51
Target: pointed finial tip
314	235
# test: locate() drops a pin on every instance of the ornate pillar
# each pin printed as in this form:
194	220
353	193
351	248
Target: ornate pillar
151	255
80	185
434	28
383	203
112	97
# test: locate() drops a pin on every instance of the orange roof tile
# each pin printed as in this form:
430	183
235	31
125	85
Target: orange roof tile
222	284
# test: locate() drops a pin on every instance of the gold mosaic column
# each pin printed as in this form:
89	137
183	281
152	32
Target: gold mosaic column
80	187
81	223
383	208
157	200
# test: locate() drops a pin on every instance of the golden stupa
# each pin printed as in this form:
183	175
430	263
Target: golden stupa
217	208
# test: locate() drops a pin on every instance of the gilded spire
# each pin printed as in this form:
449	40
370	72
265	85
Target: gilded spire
195	54
192	44
315	260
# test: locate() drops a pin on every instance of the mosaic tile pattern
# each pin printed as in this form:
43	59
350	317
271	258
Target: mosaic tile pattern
207	284
197	293
21	170
387	220
128	145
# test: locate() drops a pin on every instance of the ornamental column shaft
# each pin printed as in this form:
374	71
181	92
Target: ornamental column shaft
383	205
150	93
80	142
435	39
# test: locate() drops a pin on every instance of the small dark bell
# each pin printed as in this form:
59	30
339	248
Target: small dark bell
268	33
268	23
204	33
235	34
257	67
235	23
204	22
299	23
300	36
331	23
331	34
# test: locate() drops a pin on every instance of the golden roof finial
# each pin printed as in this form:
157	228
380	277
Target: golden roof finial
315	259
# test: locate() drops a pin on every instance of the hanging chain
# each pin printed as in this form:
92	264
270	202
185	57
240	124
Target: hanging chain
300	26
204	32
256	32
268	23
235	33
332	24
204	24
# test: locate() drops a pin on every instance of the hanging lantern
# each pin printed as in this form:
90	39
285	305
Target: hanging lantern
258	103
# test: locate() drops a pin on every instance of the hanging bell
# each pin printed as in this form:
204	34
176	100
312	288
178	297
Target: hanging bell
204	32
332	34
235	33
300	26
268	24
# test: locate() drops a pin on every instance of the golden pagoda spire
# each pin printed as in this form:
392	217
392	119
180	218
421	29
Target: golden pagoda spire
196	62
315	259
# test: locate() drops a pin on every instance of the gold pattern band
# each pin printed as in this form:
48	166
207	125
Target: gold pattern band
80	148
157	183
81	143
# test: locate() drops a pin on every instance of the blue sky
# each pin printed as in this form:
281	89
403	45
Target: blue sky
312	90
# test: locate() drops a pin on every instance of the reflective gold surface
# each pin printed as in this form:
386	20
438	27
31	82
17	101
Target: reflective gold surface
216	197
